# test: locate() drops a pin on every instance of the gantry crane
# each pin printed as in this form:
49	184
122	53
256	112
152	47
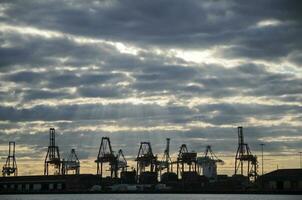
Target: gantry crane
10	166
71	164
53	154
166	162
185	158
106	155
209	162
244	155
145	158
121	162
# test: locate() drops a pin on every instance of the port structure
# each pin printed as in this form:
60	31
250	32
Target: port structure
185	158
145	158
52	157
244	155
121	161
208	163
10	166
72	164
166	162
106	155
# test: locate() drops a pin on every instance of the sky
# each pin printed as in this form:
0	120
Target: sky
147	70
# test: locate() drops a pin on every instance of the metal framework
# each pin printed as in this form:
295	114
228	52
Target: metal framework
145	158
244	155
106	155
209	163
71	164
10	166
166	162
186	158
121	162
53	156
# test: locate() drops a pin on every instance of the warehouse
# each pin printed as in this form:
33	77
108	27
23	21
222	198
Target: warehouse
53	183
282	180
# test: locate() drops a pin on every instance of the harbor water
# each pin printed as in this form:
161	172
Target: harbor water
150	197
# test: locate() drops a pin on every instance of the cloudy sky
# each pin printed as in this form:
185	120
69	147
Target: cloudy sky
146	70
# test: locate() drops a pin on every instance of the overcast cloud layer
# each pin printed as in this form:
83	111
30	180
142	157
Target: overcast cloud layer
146	70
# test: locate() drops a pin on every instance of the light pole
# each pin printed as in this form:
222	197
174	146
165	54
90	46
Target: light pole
262	145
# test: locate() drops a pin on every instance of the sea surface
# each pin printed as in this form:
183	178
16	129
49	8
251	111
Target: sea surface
150	197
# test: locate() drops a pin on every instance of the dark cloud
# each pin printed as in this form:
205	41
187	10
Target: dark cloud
105	92
79	112
191	24
72	79
25	77
238	113
109	68
42	94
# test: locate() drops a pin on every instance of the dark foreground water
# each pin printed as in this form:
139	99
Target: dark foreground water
149	197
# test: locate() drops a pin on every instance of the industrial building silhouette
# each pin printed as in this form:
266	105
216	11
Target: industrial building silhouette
187	173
